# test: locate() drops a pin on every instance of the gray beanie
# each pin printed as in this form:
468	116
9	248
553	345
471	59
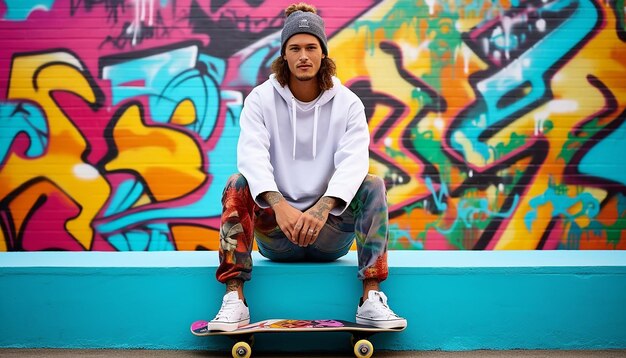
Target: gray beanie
304	22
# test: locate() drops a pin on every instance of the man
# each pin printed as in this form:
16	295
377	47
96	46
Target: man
303	191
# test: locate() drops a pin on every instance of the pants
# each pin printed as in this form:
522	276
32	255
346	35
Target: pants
365	219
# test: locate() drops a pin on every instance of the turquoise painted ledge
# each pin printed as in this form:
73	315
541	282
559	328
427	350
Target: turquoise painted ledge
453	300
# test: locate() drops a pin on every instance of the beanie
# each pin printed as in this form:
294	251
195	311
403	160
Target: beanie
304	22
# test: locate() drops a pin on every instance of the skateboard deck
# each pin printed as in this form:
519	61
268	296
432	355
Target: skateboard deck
244	338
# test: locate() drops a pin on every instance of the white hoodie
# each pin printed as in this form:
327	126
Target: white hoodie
303	154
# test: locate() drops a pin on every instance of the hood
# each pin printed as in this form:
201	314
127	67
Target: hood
286	94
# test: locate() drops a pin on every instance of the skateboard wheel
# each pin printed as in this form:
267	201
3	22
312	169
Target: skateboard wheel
363	349
241	350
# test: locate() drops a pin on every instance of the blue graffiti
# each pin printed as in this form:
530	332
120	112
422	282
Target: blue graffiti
153	238
20	10
167	79
621	204
524	77
124	197
468	210
396	233
601	161
438	197
562	204
26	118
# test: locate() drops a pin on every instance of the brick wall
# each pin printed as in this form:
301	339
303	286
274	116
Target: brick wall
496	125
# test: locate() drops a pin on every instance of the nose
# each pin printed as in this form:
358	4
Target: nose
302	55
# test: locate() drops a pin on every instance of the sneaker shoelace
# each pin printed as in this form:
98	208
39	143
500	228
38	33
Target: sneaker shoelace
384	307
226	310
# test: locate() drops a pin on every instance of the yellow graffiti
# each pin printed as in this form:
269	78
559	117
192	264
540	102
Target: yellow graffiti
189	237
34	78
584	101
168	160
357	51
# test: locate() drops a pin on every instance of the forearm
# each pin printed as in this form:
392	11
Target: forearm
272	198
323	206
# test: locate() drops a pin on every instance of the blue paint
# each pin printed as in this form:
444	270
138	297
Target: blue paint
438	197
201	208
23	117
153	238
124	196
396	233
467	208
621	204
454	300
20	10
600	161
166	78
562	205
530	67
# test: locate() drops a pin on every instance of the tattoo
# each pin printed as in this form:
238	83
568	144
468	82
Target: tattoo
233	285
272	197
324	204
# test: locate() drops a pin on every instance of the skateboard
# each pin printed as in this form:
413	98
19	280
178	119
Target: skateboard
244	336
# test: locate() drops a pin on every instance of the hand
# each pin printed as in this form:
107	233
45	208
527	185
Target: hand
286	215
312	221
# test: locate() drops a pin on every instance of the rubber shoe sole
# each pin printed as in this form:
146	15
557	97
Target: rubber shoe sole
227	326
387	324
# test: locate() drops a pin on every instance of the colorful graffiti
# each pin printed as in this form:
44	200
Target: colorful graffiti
495	124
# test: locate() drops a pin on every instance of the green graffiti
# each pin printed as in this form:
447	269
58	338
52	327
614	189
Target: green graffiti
575	141
394	153
403	12
426	145
515	142
445	41
422	99
440	31
619	14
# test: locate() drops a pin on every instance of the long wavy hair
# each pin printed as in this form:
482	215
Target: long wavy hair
327	70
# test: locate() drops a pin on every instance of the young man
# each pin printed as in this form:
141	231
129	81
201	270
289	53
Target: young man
303	191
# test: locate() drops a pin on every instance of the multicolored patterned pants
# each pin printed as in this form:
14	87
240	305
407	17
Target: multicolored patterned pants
366	219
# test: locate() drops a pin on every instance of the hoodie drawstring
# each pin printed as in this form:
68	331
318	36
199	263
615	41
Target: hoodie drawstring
293	126
315	119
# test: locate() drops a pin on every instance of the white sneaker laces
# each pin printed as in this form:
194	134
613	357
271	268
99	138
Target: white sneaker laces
383	307
226	310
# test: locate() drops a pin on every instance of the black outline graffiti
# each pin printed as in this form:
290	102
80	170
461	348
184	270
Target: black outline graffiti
226	30
572	174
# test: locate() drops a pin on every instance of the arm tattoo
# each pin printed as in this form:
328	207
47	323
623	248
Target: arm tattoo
272	197
325	204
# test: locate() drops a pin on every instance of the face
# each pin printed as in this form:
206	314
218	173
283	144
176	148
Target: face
303	54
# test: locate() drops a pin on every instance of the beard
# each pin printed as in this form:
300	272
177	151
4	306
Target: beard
305	78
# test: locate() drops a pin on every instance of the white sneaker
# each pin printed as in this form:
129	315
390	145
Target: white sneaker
375	312
232	315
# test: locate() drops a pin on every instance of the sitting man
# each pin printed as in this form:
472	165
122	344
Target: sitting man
304	191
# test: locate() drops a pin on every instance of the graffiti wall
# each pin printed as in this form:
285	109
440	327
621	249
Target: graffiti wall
495	124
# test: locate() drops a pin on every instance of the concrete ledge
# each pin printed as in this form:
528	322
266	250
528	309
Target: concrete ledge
453	300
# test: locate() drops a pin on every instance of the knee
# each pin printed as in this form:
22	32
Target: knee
373	183
236	181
